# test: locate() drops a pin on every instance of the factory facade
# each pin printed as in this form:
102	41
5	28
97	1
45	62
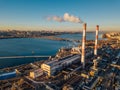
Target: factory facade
54	66
36	73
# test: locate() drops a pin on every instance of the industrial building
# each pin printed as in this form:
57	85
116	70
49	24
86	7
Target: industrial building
54	66
7	75
76	50
36	73
91	83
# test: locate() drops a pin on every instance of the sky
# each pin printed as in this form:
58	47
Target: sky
49	14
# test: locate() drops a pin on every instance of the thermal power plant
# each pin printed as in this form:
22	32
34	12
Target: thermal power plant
83	45
96	40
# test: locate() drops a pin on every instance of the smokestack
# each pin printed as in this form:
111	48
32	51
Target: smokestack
96	40
83	45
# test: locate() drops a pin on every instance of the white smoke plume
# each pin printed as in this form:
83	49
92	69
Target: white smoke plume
71	18
66	18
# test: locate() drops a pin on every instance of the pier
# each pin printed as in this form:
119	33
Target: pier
11	57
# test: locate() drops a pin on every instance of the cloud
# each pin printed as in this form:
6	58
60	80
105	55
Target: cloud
66	18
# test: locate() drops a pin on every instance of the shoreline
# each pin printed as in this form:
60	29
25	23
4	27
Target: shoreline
54	37
12	68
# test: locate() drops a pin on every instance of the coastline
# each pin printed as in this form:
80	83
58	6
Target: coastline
12	68
54	37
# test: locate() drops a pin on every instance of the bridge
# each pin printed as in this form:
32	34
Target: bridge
12	57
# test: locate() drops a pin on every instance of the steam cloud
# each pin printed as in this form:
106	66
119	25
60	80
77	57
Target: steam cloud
66	18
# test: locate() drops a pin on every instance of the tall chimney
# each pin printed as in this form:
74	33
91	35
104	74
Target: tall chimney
96	40
83	45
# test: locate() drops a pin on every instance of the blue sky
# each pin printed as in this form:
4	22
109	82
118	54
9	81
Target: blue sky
31	14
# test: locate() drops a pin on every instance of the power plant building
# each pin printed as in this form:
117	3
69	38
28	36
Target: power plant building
54	66
7	75
36	73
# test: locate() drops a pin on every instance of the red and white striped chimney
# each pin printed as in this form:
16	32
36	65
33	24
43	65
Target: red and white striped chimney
96	40
83	45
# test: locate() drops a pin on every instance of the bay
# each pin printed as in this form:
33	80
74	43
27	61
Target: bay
27	47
